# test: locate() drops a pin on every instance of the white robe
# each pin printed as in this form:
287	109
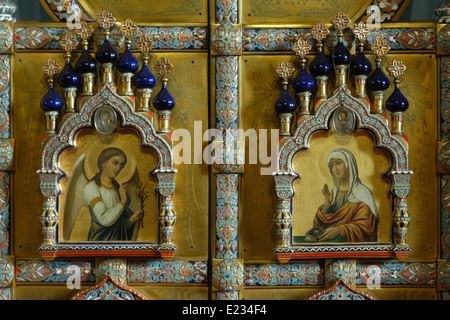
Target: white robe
104	203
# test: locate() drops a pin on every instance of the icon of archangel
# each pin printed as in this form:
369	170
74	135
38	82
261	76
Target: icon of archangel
106	181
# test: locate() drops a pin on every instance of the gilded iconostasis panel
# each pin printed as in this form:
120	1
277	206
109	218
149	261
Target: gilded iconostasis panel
272	11
29	133
183	11
257	105
302	294
204	219
156	11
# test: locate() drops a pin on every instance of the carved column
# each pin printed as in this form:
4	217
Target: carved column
7	10
400	216
167	215
49	214
283	216
226	45
443	52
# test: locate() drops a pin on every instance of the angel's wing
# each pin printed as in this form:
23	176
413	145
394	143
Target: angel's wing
75	199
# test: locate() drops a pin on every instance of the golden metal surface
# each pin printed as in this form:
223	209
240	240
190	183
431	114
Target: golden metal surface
52	292
45	292
151	10
302	294
419	83
402	293
277	294
257	11
174	292
193	202
191	195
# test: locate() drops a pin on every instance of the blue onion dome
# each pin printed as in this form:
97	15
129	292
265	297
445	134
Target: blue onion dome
68	77
285	103
360	65
127	63
145	78
86	63
164	100
320	66
341	55
397	101
303	82
51	101
378	81
106	53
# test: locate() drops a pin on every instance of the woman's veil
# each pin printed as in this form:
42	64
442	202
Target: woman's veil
357	191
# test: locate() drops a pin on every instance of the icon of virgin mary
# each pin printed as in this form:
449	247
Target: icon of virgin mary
349	212
112	199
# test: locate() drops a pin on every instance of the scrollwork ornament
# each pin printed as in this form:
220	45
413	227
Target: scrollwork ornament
227	295
283	185
228	275
109	289
341	291
115	268
401	184
166	182
6	154
49	184
226	39
444	156
227	216
340	269
443	39
6	272
229	156
6	37
444	276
